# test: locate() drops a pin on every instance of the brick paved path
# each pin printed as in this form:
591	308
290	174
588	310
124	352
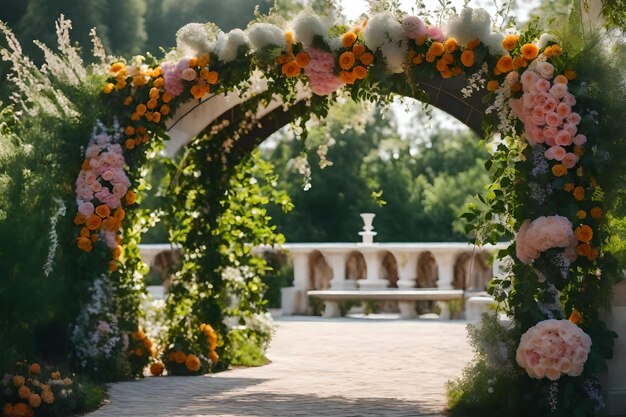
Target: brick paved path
339	367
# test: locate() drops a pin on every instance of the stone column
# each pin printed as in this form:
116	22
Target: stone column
297	298
445	266
407	269
372	260
337	262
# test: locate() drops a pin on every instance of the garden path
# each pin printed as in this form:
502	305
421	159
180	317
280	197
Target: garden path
320	367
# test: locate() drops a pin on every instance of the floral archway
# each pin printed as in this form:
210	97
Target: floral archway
556	184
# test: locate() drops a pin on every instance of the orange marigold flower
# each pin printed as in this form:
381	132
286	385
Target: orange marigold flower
579	193
138	335
303	59
571	75
152	103
203	60
130	197
157	368
22	410
35	369
346	60
505	64
129	130
559	170
93	222
578	151
47	396
159	82
430	57
553	50
79	219
119	213
596	213
467	57
519	62
117	67
358	50
156	118
108	88
509	42
348	39
117	252
418	59
291	69
128	100
139	351
529	51
359	72
446	73
347	77
450	45
165	110
111	224
448	58
583	249
192	362
473	44
147	343
23	392
575	317
581	214
193	62
282	59
437	48
34	400
103	210
493	85
179	357
211	78
419	41
568	186
84	244
84	232
18	380
441	65
584	233
141	109
366	59
214	357
129	143
113	266
166	97
456	71
594	254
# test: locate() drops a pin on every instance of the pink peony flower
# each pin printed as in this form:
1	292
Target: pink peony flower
92	151
553	119
563	110
550	105
413	27
558	90
320	72
580	139
538	116
86	209
542	234
570	160
435	33
545	70
574	118
563	138
553	348
569	99
529	77
542	85
570	128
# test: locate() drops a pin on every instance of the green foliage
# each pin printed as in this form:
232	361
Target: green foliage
245	349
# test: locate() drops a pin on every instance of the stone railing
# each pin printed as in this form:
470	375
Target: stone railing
343	266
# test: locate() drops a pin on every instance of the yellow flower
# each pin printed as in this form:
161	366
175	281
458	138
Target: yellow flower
108	88
117	67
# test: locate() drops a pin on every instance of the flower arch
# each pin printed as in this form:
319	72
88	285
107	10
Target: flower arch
555	185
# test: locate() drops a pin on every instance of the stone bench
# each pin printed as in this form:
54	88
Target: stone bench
406	299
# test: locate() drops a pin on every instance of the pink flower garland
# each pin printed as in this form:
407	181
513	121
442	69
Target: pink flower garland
320	72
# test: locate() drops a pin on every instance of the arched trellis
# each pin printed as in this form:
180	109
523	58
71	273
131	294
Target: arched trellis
416	61
194	117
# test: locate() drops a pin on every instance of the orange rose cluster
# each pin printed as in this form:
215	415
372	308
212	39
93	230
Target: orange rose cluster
354	58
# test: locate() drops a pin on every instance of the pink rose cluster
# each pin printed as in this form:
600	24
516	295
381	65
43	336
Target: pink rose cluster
544	233
173	74
546	111
102	179
413	27
320	72
553	348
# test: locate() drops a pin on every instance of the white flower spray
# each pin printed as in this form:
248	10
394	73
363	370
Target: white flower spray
54	237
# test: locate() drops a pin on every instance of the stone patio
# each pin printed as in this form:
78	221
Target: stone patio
375	366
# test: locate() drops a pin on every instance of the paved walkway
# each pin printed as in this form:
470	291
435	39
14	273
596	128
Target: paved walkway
339	367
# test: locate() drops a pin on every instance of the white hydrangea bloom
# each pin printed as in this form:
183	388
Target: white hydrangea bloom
384	32
229	43
266	34
472	24
307	26
194	39
545	38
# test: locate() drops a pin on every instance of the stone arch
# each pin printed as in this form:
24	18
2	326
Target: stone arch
320	272
356	268
472	271
427	270
389	269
